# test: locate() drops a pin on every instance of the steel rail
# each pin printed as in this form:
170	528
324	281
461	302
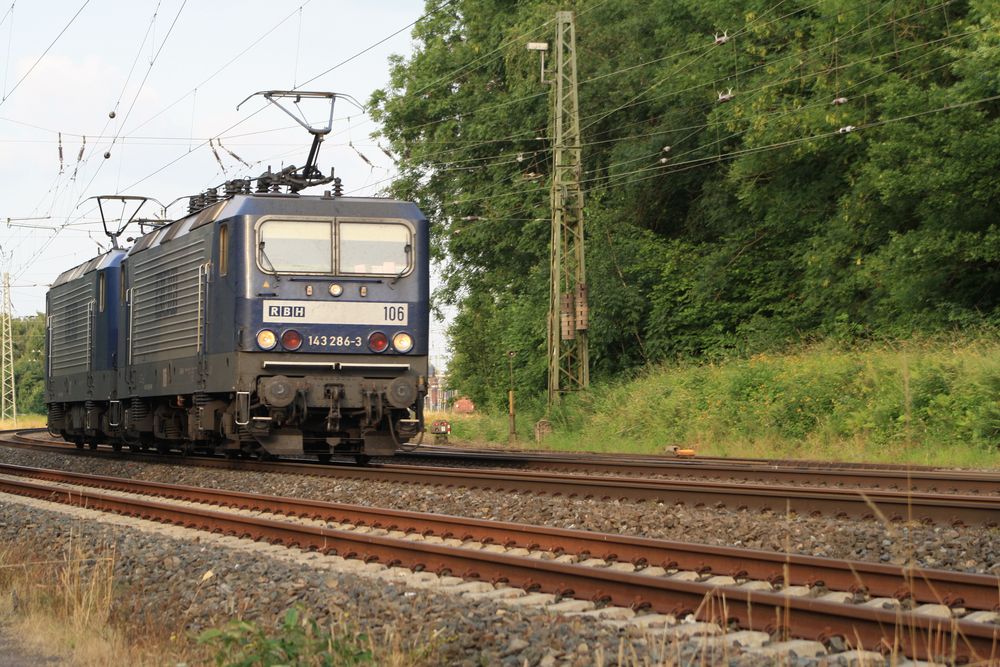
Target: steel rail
955	589
879	504
832	474
917	636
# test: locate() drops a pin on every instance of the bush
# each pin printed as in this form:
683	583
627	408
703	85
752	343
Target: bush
931	402
298	641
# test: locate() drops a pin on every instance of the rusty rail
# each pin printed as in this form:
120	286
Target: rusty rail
913	635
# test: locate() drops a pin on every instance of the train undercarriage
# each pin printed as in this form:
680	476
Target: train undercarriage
279	421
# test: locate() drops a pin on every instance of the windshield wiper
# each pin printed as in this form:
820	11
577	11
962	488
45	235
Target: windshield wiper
263	255
406	267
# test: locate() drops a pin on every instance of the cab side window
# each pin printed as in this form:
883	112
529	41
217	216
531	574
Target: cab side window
223	263
102	289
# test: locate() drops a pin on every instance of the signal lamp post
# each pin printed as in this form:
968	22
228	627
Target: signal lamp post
511	421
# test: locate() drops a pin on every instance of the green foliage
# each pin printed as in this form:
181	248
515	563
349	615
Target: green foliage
28	335
924	402
297	641
760	227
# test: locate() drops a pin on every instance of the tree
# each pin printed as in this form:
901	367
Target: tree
755	173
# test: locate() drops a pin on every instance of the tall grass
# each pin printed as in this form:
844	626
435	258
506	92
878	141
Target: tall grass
63	602
927	402
23	421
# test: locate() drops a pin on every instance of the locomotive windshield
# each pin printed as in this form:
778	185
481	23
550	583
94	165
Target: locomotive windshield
374	248
295	246
307	246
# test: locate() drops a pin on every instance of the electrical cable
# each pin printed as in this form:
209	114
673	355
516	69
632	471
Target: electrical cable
218	71
44	53
10	41
756	149
443	166
821	103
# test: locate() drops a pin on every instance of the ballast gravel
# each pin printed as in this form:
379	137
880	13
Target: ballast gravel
966	549
188	581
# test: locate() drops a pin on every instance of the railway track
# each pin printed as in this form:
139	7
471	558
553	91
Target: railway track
881	504
818	473
930	614
814	473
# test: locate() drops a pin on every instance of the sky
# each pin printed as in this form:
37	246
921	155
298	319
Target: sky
173	73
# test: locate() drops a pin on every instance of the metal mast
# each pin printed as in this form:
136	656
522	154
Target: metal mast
8	392
568	354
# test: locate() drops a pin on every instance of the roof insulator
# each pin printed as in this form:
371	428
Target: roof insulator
721	39
726	96
847	129
837	101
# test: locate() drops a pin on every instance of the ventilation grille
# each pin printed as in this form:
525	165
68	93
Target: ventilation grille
71	327
168	303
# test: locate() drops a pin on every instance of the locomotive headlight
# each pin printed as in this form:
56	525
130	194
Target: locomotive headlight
291	339
377	342
266	340
336	290
403	342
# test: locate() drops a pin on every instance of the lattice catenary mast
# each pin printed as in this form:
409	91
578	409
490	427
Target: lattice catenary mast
8	391
568	354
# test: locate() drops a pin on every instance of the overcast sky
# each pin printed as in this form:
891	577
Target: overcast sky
199	60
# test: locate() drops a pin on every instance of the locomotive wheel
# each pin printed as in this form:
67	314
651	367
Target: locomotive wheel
323	458
163	448
78	441
116	445
362	459
134	447
92	444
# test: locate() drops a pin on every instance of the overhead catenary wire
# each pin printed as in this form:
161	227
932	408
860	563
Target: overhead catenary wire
10	41
755	149
503	158
507	103
149	69
114	108
819	103
245	119
44	53
221	69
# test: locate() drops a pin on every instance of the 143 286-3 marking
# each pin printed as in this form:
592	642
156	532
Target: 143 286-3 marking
335	341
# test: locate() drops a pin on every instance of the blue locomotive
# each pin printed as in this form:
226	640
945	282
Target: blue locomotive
263	322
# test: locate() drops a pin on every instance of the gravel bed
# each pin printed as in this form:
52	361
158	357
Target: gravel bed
958	548
164	580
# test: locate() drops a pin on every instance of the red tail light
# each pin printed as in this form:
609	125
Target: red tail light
291	340
377	342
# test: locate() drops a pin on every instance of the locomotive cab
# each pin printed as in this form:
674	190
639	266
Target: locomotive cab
333	343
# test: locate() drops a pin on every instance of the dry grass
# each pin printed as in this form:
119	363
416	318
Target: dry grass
67	603
23	421
63	603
